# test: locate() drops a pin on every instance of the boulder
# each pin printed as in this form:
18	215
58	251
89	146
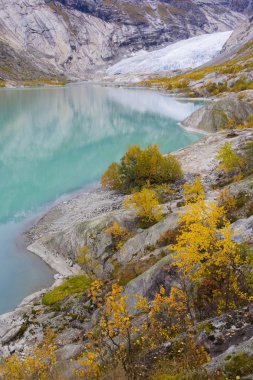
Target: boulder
69	351
214	116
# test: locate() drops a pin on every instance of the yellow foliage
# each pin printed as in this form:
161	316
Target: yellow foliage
119	235
247	124
229	160
89	362
111	178
146	204
115	333
95	292
166	317
192	192
206	255
120	337
37	364
138	166
227	201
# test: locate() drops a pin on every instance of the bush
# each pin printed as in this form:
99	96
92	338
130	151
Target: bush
241	364
147	206
229	160
137	167
193	191
119	235
73	285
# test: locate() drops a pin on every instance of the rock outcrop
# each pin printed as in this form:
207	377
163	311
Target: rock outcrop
215	116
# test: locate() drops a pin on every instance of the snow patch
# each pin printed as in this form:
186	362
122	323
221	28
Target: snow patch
184	54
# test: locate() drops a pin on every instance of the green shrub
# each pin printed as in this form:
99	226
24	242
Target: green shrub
240	364
208	327
147	207
229	160
139	167
73	285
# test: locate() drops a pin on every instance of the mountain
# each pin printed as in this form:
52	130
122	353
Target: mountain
75	38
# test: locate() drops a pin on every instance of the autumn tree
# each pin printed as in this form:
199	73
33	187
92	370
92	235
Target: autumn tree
193	191
229	160
114	335
165	317
146	204
111	179
137	167
36	364
119	336
214	270
119	235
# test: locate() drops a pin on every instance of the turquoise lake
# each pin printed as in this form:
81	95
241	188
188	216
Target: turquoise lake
54	141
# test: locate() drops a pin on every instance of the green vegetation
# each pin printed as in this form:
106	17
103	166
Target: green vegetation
22	330
208	327
139	167
241	64
248	123
240	364
240	84
71	286
146	204
229	160
44	82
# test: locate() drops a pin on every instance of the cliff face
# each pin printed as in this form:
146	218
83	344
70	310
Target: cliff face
75	38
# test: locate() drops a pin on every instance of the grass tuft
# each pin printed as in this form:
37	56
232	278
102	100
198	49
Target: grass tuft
73	285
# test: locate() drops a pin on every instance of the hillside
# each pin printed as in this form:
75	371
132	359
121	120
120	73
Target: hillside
73	39
142	263
229	71
153	268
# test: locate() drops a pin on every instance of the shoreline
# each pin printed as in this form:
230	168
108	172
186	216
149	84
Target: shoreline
58	263
83	205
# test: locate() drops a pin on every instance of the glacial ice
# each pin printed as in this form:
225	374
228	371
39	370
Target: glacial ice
184	54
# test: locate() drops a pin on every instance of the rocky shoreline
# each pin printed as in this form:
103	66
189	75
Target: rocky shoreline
77	208
81	220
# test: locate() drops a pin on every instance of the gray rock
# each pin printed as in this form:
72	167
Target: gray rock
69	351
214	116
243	230
72	39
67	337
145	241
149	282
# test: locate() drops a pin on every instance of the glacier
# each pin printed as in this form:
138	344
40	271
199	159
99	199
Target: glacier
184	54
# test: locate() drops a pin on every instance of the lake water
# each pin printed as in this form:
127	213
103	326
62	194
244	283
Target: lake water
53	141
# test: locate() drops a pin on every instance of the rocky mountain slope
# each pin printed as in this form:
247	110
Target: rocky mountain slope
230	71
73	38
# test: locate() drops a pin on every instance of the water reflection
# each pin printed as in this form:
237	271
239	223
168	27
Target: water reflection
56	140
